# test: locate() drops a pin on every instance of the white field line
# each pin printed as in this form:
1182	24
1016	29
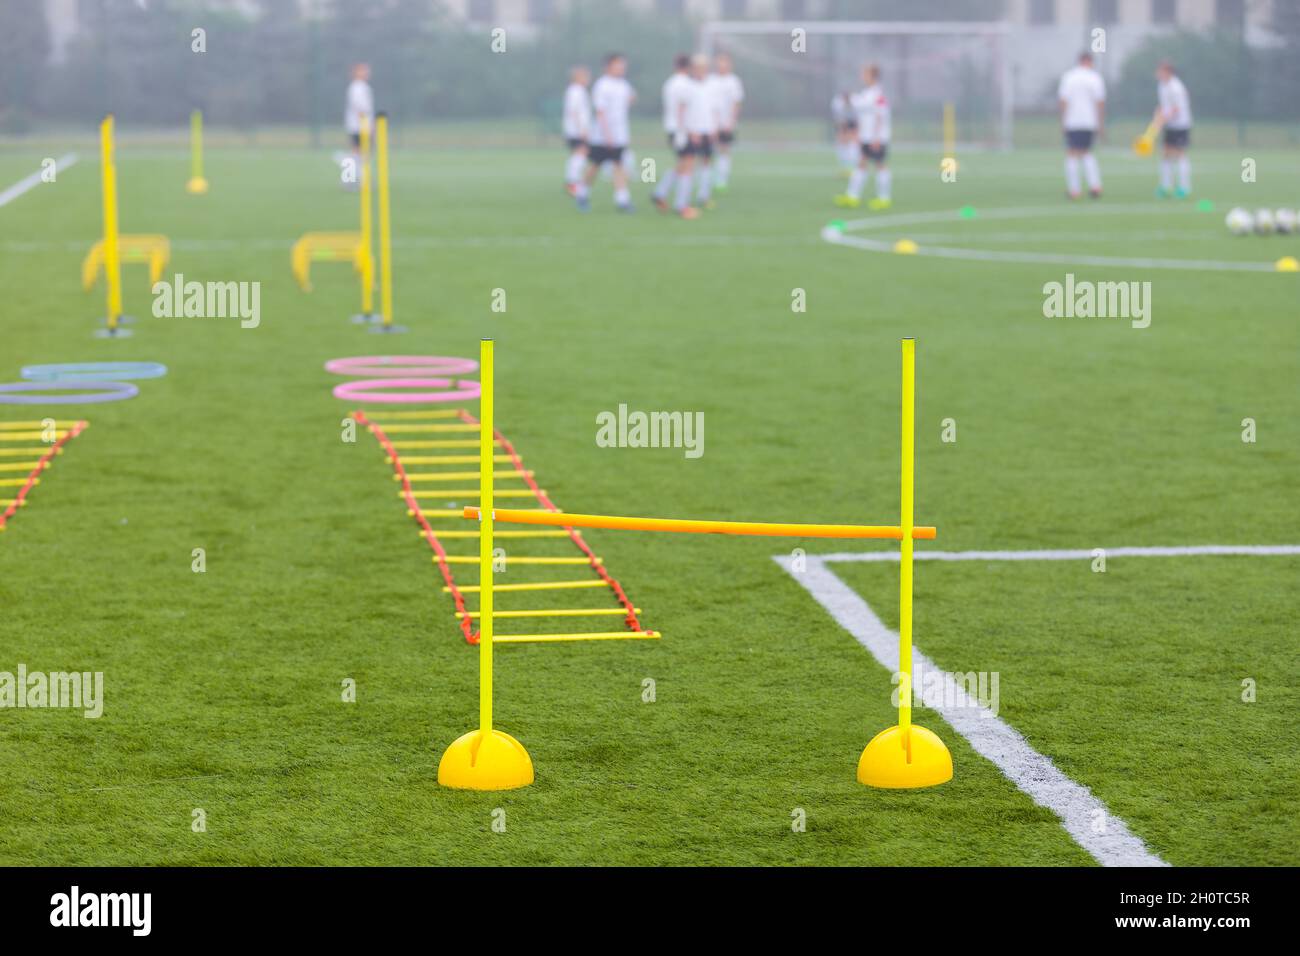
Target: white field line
989	736
1073	554
32	180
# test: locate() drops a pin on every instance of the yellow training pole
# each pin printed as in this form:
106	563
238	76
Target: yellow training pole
385	237
950	134
905	756
485	759
197	184
367	241
112	264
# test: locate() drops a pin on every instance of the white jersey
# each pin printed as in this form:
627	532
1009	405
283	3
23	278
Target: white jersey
360	102
1175	105
701	116
728	93
842	109
874	121
577	112
676	95
1083	90
611	97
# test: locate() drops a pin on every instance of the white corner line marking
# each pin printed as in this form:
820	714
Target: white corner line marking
1081	813
32	180
1074	554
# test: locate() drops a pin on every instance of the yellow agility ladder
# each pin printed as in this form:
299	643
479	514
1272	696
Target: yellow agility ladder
48	443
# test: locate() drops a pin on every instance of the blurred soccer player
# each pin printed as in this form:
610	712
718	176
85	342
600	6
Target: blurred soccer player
874	130
846	129
702	127
612	97
728	94
1173	116
359	108
1082	95
577	125
676	94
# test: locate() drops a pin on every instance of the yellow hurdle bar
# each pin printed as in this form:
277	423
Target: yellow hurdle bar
592	636
534	586
384	418
16	482
23	465
689	525
459	427
461	476
440	443
450	494
447	459
564	612
499	534
19	452
470	559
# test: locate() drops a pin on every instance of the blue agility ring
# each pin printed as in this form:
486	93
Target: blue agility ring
108	392
93	371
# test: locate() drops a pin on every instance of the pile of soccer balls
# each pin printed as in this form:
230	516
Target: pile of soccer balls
1264	222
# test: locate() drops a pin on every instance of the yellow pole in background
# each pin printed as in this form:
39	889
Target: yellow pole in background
950	134
112	264
197	184
905	563
385	237
367	242
487	448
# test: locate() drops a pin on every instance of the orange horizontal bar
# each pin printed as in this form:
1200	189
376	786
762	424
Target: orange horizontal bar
690	525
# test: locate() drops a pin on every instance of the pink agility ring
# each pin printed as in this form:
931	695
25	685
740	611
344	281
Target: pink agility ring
401	365
356	391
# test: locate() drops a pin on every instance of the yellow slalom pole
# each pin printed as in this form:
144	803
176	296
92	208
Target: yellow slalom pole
949	132
385	237
197	184
112	264
367	241
905	562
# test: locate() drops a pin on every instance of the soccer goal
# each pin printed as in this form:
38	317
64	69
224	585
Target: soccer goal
792	70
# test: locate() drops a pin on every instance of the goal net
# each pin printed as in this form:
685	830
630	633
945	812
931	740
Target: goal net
792	77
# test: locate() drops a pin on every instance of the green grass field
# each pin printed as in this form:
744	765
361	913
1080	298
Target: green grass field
223	688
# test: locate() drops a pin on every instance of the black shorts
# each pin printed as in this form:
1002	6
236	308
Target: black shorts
702	148
1079	139
848	126
726	137
573	142
604	154
1177	138
876	154
355	139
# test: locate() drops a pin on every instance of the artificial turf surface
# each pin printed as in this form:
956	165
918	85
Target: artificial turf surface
223	688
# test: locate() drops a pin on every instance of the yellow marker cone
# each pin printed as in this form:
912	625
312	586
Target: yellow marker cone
485	759
197	184
1287	264
906	247
906	757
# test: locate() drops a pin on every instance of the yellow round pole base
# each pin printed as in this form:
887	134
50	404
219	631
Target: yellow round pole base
905	247
478	761
198	185
884	763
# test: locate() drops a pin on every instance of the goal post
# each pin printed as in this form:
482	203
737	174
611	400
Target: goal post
791	70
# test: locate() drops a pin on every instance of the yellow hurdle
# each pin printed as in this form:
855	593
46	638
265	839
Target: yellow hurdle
580	636
563	612
535	586
467	559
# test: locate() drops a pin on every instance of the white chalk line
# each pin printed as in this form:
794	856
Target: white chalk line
1034	774
33	180
1074	554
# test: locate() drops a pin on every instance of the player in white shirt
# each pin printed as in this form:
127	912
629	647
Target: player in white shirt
358	109
676	95
1173	116
846	130
577	126
874	130
702	128
612	97
728	93
1082	95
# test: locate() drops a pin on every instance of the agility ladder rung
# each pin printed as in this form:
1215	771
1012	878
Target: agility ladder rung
12	431
435	469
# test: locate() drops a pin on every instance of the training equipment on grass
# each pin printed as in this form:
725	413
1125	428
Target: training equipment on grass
1144	145
1239	221
38	393
901	757
197	185
354	247
93	371
385	230
114	248
366	390
949	164
46	440
438	365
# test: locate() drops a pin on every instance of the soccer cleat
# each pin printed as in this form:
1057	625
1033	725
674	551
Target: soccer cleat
1181	193
879	203
1162	193
847	201
660	204
1071	196
689	212
1094	193
583	203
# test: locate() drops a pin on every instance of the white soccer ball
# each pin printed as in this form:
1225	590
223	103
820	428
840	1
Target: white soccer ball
1239	222
1285	220
1264	223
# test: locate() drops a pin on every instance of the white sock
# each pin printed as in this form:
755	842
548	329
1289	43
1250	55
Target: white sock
1166	174
1185	173
724	168
856	179
706	184
1092	171
1072	175
849	155
666	184
622	197
574	167
580	189
683	198
883	179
